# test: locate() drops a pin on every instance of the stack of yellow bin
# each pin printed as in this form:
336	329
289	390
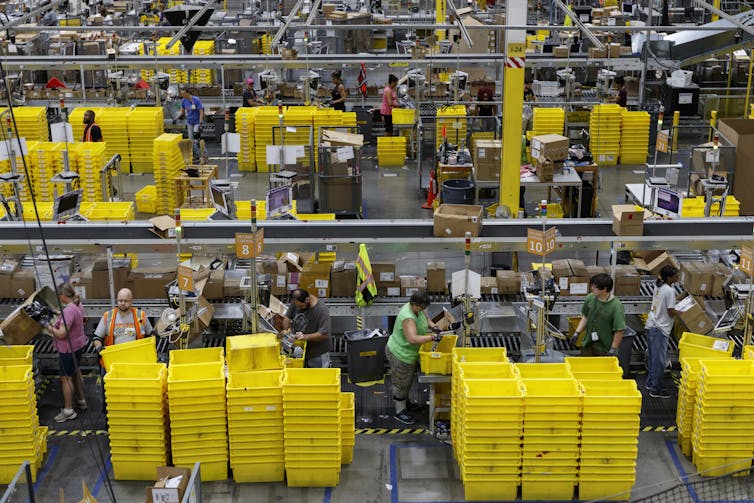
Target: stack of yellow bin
347	427
111	121
168	162
145	124
703	346
311	419
147	75
203	76
609	439
90	158
489	452
722	441
693	207
245	118
348	119
453	119
634	142
23	439
604	131
748	352
146	199
549	468
45	162
176	76
594	367
690	370
266	119
391	151
32	123
547	121
7	188
198	418
137	419
255	426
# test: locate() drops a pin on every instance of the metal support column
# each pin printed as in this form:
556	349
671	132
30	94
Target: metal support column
513	103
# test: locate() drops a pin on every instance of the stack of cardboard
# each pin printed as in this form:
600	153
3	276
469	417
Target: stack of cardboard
702	278
572	276
487	158
549	151
652	261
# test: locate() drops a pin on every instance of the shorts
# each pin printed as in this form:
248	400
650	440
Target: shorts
401	375
66	362
388	120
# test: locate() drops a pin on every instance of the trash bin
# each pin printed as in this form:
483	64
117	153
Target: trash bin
458	191
624	351
366	354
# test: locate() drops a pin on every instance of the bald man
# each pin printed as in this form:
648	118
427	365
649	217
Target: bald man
123	324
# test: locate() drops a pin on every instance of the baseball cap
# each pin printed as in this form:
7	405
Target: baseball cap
250	80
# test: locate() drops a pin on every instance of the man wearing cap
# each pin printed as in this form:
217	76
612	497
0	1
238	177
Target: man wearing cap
250	96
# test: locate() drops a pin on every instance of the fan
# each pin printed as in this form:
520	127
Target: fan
169	324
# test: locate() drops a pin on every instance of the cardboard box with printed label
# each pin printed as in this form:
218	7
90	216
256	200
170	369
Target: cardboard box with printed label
19	327
163	226
278	284
412	284
149	282
387	281
81	282
22	283
628	220
696	277
488	285
508	282
170	486
455	220
553	147
7	268
343	279
315	279
694	316
627	281
436	277
487	158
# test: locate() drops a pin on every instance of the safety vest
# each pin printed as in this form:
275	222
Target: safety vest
366	287
140	320
88	132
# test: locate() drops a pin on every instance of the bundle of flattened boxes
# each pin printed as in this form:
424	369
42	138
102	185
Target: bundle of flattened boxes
549	151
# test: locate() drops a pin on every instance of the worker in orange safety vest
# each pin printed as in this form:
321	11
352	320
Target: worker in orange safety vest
125	323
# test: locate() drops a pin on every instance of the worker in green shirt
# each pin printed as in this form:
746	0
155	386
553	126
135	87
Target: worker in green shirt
409	333
602	323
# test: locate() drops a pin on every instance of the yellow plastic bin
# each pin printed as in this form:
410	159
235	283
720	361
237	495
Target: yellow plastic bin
201	355
692	344
16	355
253	352
437	360
138	351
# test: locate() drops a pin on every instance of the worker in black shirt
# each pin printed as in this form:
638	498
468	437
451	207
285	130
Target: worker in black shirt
339	92
250	98
92	131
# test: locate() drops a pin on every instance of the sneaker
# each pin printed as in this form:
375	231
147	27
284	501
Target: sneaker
81	404
411	406
404	417
65	415
663	393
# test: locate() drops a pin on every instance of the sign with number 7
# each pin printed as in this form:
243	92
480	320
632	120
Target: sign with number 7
185	278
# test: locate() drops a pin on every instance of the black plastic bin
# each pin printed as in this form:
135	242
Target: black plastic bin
366	355
624	351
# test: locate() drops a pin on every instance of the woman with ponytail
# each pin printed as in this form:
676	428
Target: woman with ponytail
659	326
69	340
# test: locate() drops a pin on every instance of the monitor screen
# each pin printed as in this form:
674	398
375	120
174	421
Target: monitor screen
218	199
279	200
668	202
67	205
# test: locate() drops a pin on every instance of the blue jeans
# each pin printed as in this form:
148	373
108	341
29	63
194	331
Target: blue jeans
318	362
194	137
657	347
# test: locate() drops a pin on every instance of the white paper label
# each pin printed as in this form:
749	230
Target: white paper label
280	282
271	408
394	292
720	345
578	288
344	153
493	290
321	283
22	292
322	292
160	495
584	17
480	153
290	129
685	98
563	283
153	276
712	155
292	286
411	291
387	276
80	291
611	21
703	286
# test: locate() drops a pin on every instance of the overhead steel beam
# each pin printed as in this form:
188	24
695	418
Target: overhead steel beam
190	24
35	12
313	12
281	31
725	16
568	12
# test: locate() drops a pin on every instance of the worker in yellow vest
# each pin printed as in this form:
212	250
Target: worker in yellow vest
125	323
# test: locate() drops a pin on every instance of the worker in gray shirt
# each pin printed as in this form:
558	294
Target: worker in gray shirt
310	321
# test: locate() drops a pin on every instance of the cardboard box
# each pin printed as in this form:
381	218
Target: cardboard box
149	282
628	220
627	281
8	267
232	283
593	270
292	261
100	285
648	255
613	50
278	284
720	275
597	53
487	159
18	327
443	319
163	226
158	493
82	283
387	281
696	277
693	316
315	279
22	283
455	220
436	282
553	147
508	282
412	284
488	285
343	277
215	287
740	133
561	51
653	267
337	138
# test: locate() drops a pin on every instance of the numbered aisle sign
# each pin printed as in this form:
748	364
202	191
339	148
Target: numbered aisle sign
249	245
185	278
746	258
540	243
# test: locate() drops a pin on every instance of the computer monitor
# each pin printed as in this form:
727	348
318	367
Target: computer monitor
219	200
279	201
667	202
67	205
